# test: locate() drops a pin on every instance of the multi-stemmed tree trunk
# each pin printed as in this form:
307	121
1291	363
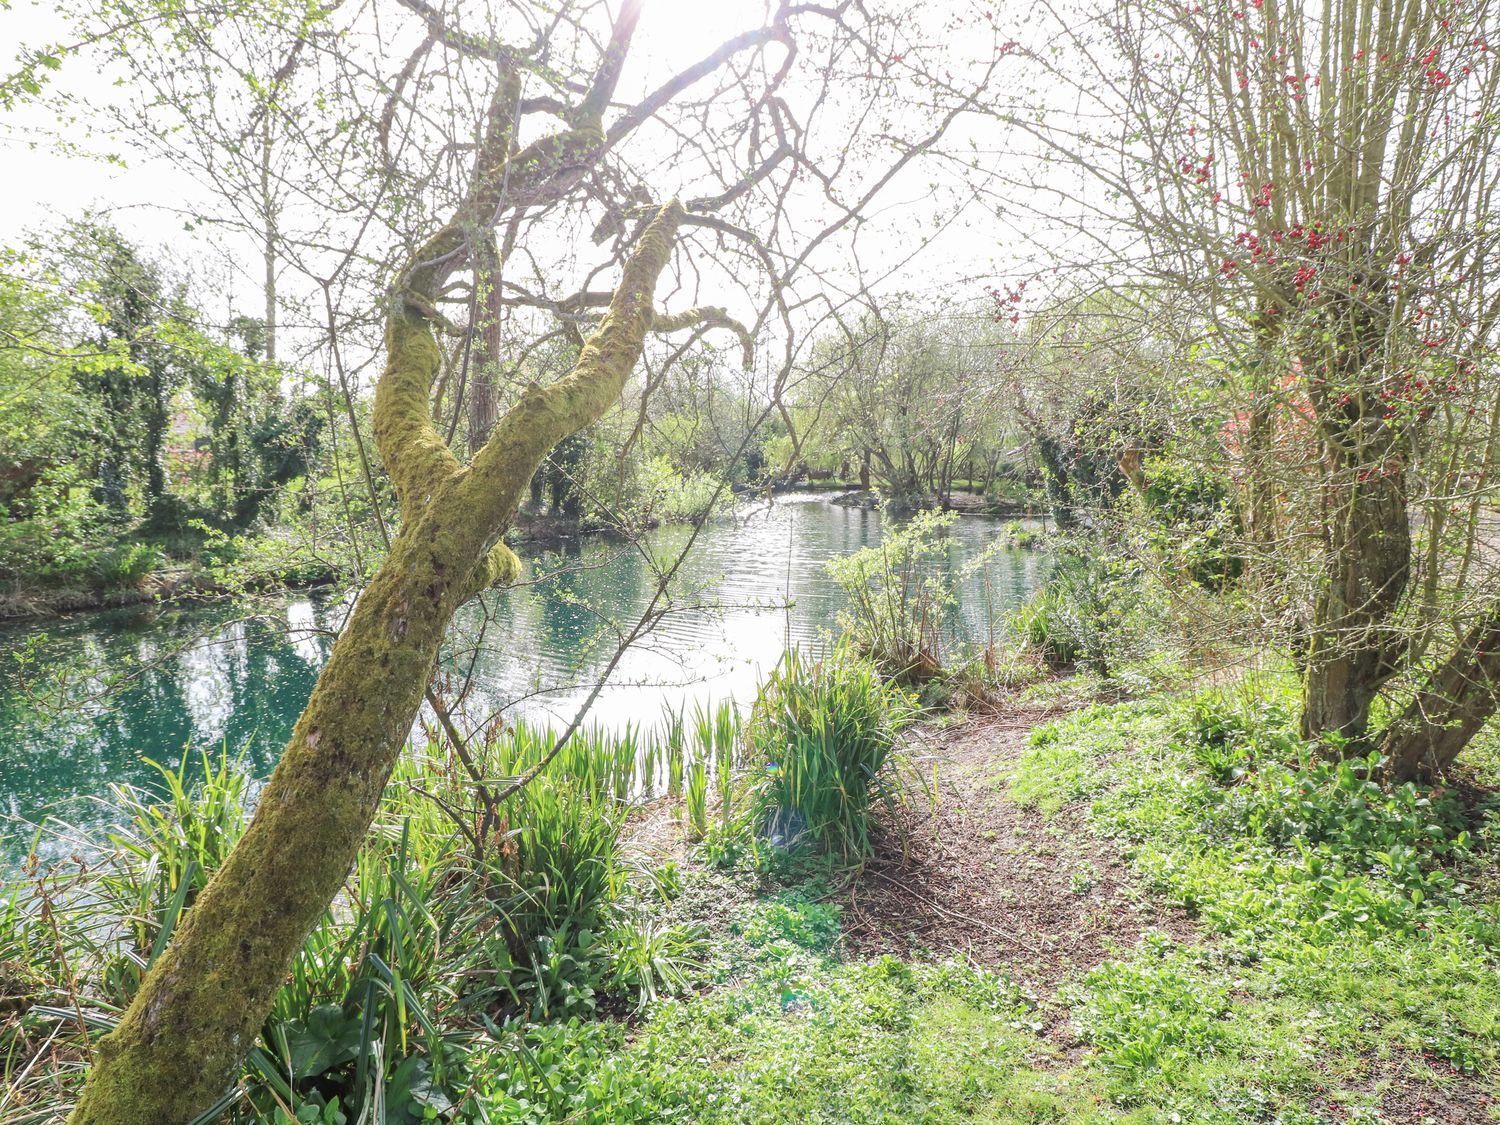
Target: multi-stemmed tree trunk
1322	174
180	1044
1354	644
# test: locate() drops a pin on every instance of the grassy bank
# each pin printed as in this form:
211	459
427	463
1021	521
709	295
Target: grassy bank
1303	947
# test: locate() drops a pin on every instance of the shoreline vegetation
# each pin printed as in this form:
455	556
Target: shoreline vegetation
169	582
1071	878
1059	910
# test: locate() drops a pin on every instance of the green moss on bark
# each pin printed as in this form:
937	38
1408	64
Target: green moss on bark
180	1044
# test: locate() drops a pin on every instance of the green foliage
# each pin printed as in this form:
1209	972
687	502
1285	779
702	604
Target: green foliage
895	393
1152	1016
899	595
790	1035
826	730
381	1002
128	425
1046	625
1348	920
789	924
652	958
696	798
356	1020
1196	524
1096	610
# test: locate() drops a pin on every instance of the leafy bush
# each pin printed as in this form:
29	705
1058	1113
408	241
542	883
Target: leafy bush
898	596
1094	610
826	730
126	564
1229	735
652	958
70	547
1197	525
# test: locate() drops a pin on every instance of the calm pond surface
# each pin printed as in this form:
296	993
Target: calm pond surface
237	675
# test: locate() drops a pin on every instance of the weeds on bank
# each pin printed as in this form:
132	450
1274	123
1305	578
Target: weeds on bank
439	940
467	936
1351	928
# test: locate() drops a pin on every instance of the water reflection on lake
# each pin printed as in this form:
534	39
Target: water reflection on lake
204	677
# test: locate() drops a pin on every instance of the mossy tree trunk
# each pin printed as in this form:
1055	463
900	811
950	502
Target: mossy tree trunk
1355	644
484	370
199	1010
1353	648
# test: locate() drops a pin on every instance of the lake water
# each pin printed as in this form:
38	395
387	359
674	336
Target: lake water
203	677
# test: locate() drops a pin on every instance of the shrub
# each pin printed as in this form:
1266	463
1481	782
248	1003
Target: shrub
1094	610
1198	526
826	730
899	596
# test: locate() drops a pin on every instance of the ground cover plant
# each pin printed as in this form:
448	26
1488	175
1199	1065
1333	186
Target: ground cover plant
1349	943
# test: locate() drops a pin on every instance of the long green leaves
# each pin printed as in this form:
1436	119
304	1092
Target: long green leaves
826	730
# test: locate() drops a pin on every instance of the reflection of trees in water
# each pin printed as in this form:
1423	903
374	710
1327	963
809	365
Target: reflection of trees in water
587	591
247	680
269	683
191	681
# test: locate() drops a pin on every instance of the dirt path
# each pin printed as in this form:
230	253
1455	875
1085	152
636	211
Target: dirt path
1044	901
988	879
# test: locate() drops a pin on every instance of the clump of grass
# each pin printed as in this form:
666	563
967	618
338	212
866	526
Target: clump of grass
696	799
673	747
1044	624
827	730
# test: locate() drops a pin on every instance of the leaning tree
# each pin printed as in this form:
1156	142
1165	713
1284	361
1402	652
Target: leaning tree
774	144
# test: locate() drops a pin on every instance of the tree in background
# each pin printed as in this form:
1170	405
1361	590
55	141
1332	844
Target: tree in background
910	395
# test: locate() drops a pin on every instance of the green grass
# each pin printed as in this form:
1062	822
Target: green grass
1350	930
792	1033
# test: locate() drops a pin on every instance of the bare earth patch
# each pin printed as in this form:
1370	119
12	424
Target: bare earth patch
1420	1089
988	879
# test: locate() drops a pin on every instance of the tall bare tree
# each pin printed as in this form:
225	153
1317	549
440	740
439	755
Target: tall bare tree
1321	175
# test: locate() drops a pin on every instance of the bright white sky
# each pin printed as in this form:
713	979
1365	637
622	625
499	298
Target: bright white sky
43	186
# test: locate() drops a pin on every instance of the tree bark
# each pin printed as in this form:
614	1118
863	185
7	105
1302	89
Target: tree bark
1458	699
181	1042
1352	651
485	370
